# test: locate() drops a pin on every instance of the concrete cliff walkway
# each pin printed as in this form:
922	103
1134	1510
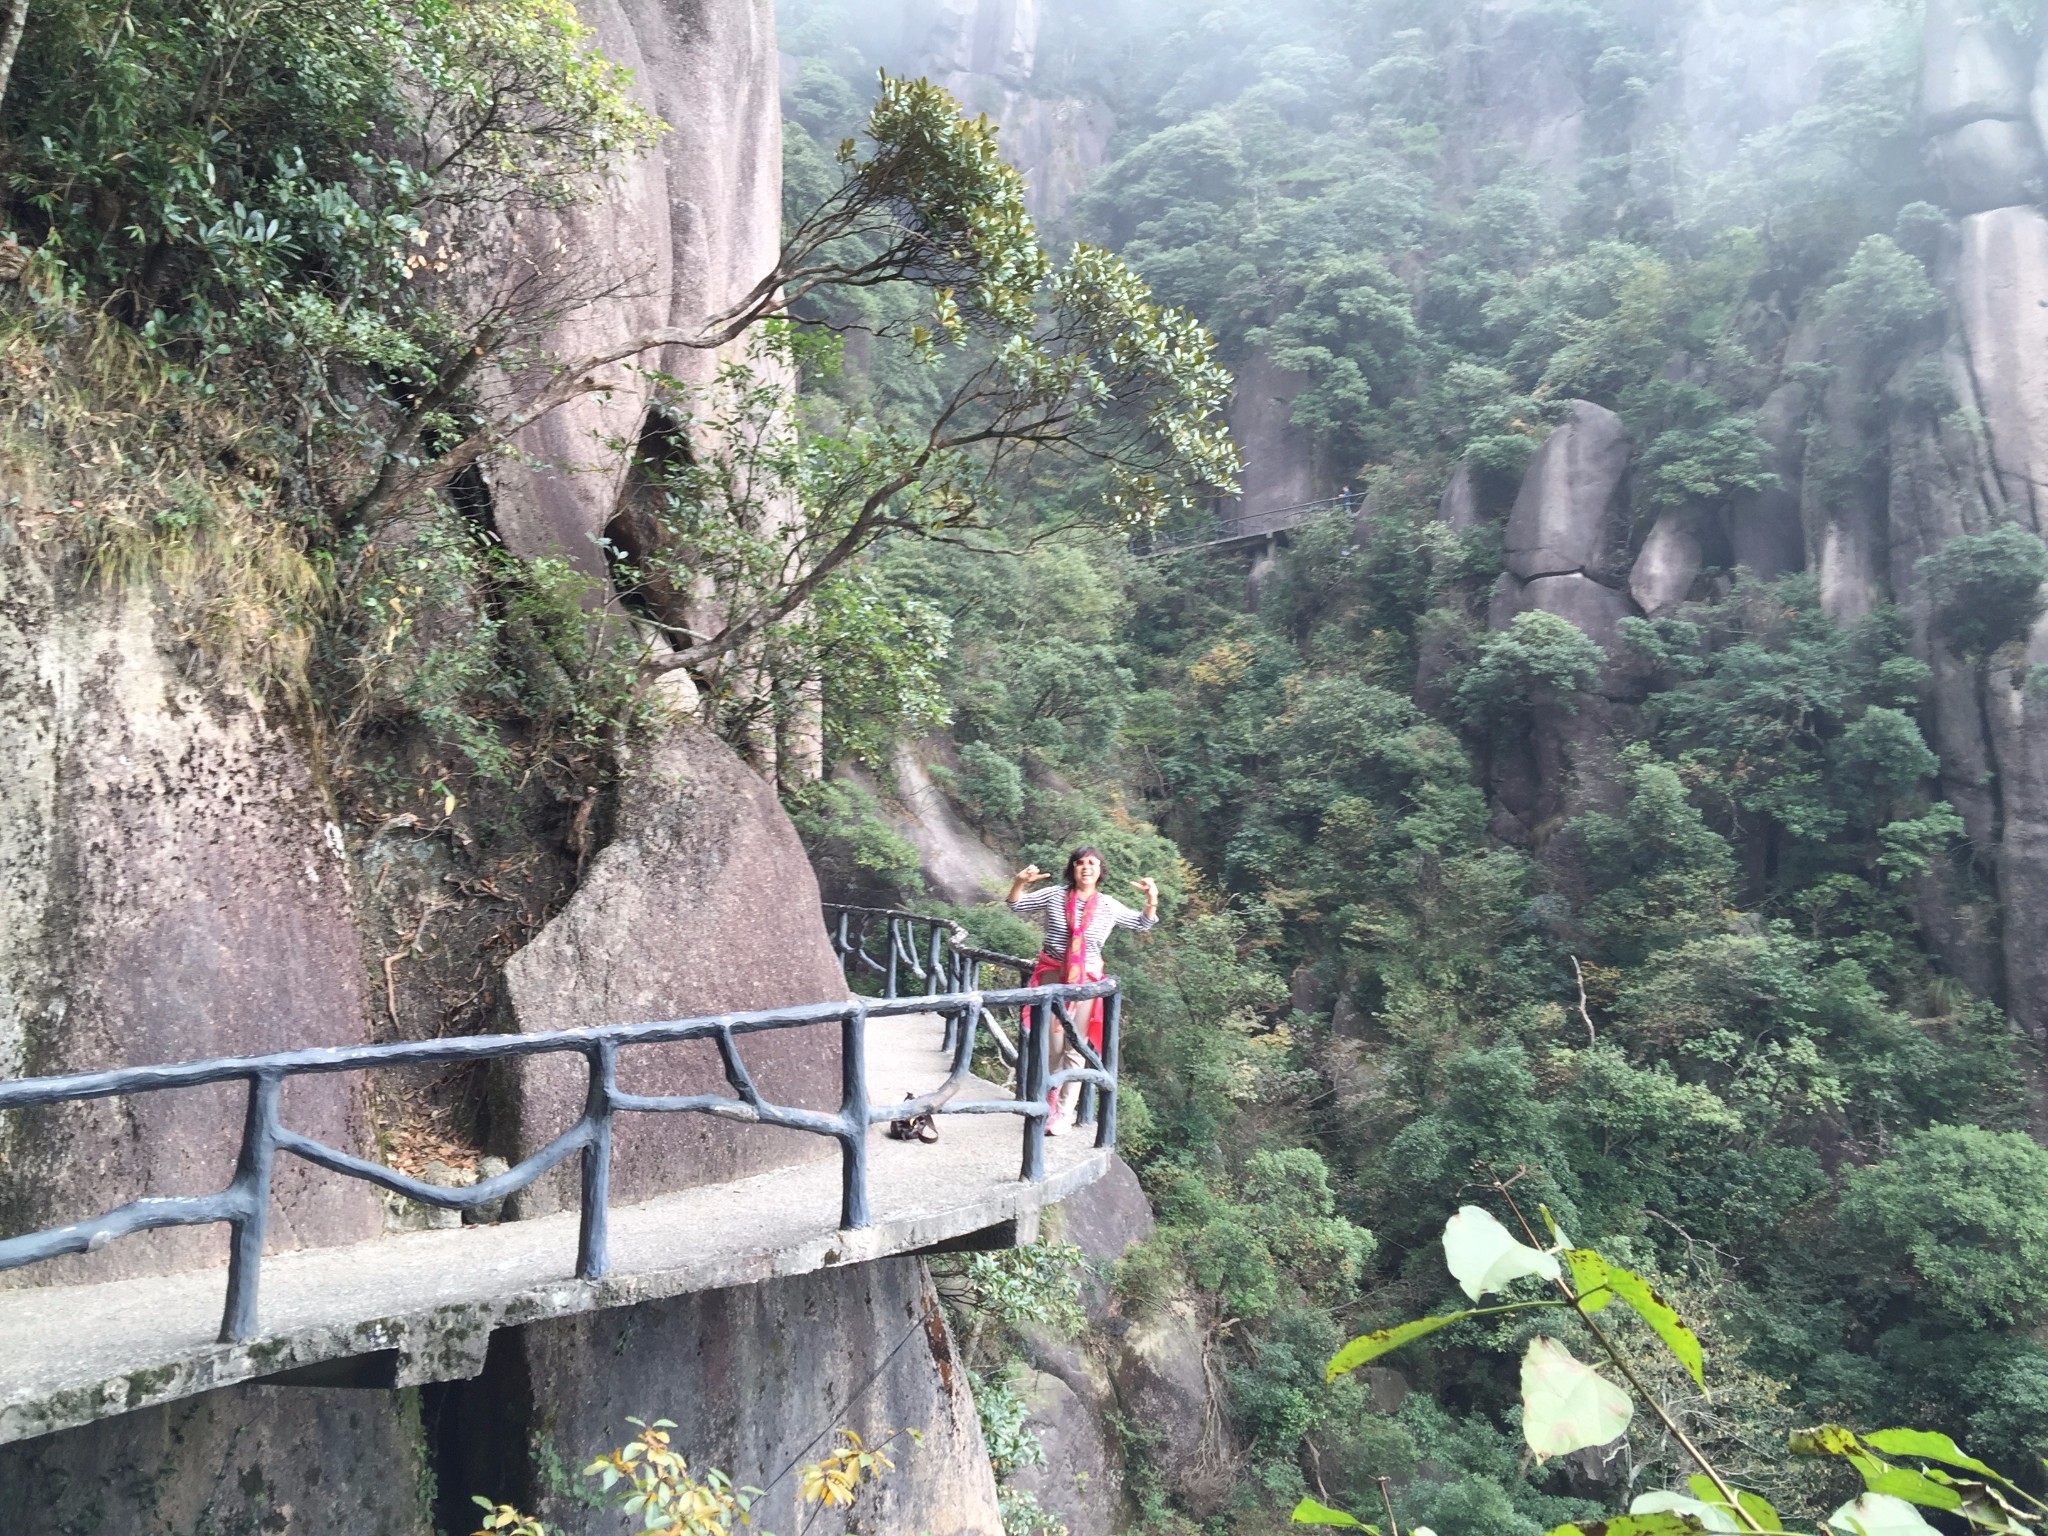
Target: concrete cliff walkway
421	1306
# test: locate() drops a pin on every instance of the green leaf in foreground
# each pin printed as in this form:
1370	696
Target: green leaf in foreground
1755	1505
1567	1405
1484	1256
1309	1512
1905	1483
1657	1312
1589	1278
1370	1346
1710	1509
1927	1443
1879	1514
1635	1525
1824	1440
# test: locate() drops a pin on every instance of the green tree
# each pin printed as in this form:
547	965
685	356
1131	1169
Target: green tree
1986	587
1540	658
1968	1209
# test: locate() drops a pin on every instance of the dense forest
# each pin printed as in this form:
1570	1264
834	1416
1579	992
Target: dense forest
1697	998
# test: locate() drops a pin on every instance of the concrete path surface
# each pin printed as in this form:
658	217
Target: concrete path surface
421	1306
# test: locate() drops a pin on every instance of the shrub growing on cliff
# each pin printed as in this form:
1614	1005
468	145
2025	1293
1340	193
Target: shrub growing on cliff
1884	293
278	185
1538	659
1986	587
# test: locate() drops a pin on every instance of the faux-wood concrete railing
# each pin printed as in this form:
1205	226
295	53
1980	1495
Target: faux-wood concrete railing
245	1204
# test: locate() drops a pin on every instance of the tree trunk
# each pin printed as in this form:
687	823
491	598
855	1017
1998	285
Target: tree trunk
10	40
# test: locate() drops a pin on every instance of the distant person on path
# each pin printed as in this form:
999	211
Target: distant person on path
1077	906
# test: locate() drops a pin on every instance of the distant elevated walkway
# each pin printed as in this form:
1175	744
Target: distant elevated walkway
1241	531
421	1306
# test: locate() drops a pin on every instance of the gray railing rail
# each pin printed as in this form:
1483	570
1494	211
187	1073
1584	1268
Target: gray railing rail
933	951
245	1203
1251	525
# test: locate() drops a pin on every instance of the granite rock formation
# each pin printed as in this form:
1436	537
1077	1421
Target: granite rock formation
172	886
678	236
757	1379
247	1461
703	902
1567	554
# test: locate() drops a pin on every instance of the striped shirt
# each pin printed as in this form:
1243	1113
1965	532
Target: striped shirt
1049	906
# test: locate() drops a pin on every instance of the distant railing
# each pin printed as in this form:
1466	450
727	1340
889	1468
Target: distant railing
1251	525
245	1203
930	951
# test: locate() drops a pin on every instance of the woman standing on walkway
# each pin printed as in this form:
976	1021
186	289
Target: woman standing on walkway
1076	907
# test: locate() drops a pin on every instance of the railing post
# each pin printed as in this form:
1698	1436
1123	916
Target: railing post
1112	1039
251	1187
853	1109
932	981
593	1259
1033	1073
895	948
845	946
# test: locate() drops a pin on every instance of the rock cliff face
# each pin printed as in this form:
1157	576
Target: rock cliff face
1281	467
249	1461
1567	538
1947	475
171	887
1870	479
679	235
703	902
956	864
758	1380
986	53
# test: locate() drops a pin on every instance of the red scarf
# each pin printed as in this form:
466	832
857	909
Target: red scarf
1075	971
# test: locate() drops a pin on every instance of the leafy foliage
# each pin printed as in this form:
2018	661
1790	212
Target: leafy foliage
1968	1209
1986	587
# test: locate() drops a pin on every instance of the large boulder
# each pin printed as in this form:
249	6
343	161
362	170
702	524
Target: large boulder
1105	1219
702	903
1458	507
1080	1479
1565	517
758	1379
1765	534
1667	564
1991	163
171	887
1162	1384
1842	485
244	1461
2001	292
1970	66
1279	457
1939	490
676	237
2016	716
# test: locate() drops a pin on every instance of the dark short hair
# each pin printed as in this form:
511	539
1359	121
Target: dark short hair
1085	853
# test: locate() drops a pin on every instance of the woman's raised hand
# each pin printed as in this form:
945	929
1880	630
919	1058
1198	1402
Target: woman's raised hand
1151	889
1030	873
